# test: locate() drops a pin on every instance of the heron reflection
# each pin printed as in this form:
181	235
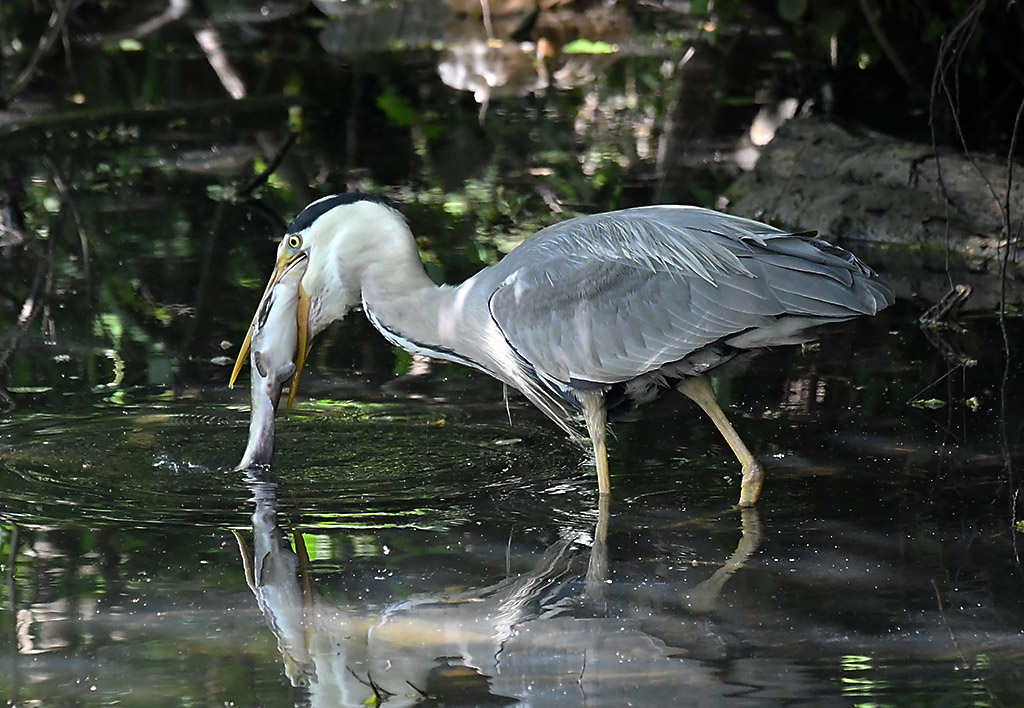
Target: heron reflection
533	637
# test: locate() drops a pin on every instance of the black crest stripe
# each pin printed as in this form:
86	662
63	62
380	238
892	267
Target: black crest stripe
317	209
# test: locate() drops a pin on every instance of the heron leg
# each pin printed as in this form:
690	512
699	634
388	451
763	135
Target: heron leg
596	416
698	389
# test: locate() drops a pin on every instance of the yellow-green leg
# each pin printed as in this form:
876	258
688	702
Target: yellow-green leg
596	416
699	390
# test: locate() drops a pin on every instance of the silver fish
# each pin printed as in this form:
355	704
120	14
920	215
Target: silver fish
275	354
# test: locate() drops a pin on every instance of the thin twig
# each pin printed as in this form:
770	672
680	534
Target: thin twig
949	372
76	217
962	33
243	193
1004	433
175	10
208	39
1014	499
420	691
945	623
379	693
871	15
964	665
38	297
10	576
485	8
1010	239
951	55
54	28
42	285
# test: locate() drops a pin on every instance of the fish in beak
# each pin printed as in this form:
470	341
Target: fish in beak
277	344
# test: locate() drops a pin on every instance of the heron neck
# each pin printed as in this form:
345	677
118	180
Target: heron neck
414	313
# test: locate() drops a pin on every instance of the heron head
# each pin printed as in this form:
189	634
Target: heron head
335	238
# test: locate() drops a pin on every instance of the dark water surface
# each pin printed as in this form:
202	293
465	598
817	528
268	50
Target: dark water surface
410	545
444	554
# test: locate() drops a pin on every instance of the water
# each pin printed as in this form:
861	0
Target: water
418	544
417	541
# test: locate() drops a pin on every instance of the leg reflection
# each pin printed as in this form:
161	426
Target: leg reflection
560	626
705	596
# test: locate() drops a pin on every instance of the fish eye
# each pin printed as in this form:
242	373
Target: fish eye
295	241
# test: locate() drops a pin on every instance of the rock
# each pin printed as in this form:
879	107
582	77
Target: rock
927	211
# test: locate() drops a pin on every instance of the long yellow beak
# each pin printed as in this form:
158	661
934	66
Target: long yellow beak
302	345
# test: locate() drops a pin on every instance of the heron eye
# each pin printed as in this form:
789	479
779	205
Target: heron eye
294	241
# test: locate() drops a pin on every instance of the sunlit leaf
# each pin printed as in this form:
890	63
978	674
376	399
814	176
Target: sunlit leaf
456	206
112	324
403	362
586	46
295	119
163	315
398	109
218	192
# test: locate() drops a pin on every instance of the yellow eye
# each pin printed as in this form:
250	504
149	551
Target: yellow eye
295	242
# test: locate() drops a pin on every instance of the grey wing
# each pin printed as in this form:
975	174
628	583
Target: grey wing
607	298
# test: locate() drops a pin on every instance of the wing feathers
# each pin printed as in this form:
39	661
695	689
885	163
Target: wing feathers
609	297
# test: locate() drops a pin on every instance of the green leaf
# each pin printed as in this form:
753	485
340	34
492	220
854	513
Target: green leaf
403	362
163	315
456	206
586	46
398	109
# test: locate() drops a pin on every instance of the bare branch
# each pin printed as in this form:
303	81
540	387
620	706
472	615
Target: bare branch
871	15
56	24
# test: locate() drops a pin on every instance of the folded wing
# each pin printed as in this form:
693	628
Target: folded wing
609	297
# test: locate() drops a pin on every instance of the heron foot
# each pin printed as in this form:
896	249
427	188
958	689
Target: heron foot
750	485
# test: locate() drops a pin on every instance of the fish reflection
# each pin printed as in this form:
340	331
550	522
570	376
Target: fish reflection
534	638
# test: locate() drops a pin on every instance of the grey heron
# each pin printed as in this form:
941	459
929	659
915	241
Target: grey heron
594	315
